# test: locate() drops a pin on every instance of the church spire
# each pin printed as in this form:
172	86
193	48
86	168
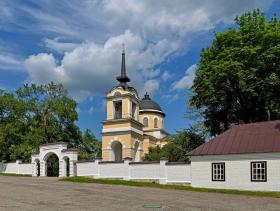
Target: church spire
123	78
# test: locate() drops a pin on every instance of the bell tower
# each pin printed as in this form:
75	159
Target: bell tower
122	133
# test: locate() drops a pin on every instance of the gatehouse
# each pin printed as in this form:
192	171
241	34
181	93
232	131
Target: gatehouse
54	159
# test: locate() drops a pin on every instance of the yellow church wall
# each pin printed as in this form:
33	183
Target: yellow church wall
122	123
116	124
151	133
110	114
126	139
125	107
151	117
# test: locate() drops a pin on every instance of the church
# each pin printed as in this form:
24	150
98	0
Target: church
132	125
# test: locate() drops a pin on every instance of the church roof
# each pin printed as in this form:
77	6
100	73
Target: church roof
260	137
147	104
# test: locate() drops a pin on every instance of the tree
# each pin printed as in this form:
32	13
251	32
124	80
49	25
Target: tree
184	142
51	113
238	79
12	124
38	114
155	153
178	148
89	147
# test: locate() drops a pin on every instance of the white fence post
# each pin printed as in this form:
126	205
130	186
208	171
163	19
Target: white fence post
162	169
96	161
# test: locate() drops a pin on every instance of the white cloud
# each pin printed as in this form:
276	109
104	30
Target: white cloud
42	68
151	86
166	75
187	80
9	61
151	30
91	69
171	97
97	20
59	46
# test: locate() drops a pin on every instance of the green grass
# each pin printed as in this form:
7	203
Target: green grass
174	187
15	175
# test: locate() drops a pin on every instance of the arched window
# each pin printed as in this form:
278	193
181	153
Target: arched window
156	123
145	122
117	101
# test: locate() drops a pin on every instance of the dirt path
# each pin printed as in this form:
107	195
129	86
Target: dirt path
23	193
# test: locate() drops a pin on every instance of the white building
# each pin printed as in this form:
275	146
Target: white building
245	157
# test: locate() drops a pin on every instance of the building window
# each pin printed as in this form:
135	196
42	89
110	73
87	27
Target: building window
145	122
156	123
133	110
117	109
258	171
218	171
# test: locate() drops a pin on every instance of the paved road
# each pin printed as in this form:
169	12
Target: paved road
23	193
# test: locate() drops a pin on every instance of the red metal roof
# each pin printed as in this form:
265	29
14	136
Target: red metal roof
257	137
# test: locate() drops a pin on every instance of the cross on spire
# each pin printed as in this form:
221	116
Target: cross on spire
123	78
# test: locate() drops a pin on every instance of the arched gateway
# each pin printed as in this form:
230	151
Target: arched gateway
55	159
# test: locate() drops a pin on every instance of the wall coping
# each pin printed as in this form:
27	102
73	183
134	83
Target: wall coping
144	162
85	161
110	162
177	163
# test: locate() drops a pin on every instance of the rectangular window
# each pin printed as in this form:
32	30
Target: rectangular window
133	111
117	109
258	171
218	171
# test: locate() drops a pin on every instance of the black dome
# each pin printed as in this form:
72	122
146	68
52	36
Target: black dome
148	104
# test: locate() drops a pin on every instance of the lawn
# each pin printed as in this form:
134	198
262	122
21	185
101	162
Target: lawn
174	187
15	175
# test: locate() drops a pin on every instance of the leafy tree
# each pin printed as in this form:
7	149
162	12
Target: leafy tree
51	113
90	147
155	153
184	141
238	79
178	148
38	114
12	123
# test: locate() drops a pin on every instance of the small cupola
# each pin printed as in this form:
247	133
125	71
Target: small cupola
147	104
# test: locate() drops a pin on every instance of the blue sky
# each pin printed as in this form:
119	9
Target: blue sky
78	44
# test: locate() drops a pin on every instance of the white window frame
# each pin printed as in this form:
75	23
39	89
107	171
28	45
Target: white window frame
219	172
259	171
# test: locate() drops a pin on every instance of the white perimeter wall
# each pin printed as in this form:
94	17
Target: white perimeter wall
87	168
16	168
237	171
148	171
178	173
162	171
